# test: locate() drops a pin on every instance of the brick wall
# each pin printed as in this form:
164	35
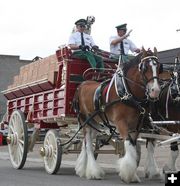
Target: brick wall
43	69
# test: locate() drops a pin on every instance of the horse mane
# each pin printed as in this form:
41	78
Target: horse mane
135	61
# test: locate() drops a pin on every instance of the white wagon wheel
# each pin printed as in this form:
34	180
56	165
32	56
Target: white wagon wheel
52	152
17	139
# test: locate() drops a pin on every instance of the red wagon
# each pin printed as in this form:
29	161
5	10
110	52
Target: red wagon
41	97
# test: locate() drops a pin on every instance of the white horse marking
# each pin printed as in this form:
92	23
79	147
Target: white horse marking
86	165
154	88
81	162
93	171
171	164
127	165
151	168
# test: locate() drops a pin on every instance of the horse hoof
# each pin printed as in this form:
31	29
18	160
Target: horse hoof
153	175
80	171
136	179
133	180
80	174
96	175
166	169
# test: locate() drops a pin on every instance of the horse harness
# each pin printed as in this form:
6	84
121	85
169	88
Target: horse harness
143	67
122	89
124	96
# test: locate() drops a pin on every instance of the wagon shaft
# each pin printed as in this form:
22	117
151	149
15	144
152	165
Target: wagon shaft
165	122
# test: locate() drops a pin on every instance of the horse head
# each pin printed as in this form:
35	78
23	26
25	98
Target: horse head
149	69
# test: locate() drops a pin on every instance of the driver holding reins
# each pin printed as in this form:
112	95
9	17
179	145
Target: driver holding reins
81	43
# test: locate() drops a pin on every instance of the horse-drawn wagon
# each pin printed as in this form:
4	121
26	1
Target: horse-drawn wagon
41	97
44	93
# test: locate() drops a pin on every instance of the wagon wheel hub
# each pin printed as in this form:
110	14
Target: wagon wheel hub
46	151
12	139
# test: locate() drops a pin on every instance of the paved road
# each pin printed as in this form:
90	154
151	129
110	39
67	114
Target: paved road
34	173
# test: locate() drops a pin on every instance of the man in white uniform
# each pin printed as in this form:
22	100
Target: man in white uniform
80	43
120	44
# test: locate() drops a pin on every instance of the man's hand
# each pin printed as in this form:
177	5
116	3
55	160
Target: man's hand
84	47
128	33
95	47
87	48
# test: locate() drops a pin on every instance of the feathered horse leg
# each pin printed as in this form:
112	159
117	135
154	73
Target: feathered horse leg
151	168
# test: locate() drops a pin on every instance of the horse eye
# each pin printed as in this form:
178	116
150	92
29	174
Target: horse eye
144	67
154	63
141	67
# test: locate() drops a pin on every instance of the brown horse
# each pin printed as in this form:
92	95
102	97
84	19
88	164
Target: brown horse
123	110
167	108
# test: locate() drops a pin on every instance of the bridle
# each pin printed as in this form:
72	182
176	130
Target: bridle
143	68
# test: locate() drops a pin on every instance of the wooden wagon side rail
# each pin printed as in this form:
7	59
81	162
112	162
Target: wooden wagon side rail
28	89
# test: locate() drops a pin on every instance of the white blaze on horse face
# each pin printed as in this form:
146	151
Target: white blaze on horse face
154	88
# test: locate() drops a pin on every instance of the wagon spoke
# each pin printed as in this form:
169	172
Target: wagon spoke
21	141
15	119
14	156
13	149
52	162
13	124
54	155
19	128
12	130
20	136
48	143
21	148
18	156
53	142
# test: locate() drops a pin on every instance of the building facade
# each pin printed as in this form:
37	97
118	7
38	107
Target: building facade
168	56
9	67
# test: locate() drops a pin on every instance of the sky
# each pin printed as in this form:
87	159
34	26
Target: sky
30	28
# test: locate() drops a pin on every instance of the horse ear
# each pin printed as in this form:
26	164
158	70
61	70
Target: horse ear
155	51
143	52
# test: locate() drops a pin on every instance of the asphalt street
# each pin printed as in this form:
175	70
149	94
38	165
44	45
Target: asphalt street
34	174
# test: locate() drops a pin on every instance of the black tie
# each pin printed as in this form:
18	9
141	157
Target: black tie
122	47
82	39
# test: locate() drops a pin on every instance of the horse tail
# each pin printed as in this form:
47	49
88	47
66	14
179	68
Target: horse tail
75	102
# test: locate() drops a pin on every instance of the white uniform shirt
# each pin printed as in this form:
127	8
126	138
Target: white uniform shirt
128	45
75	38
